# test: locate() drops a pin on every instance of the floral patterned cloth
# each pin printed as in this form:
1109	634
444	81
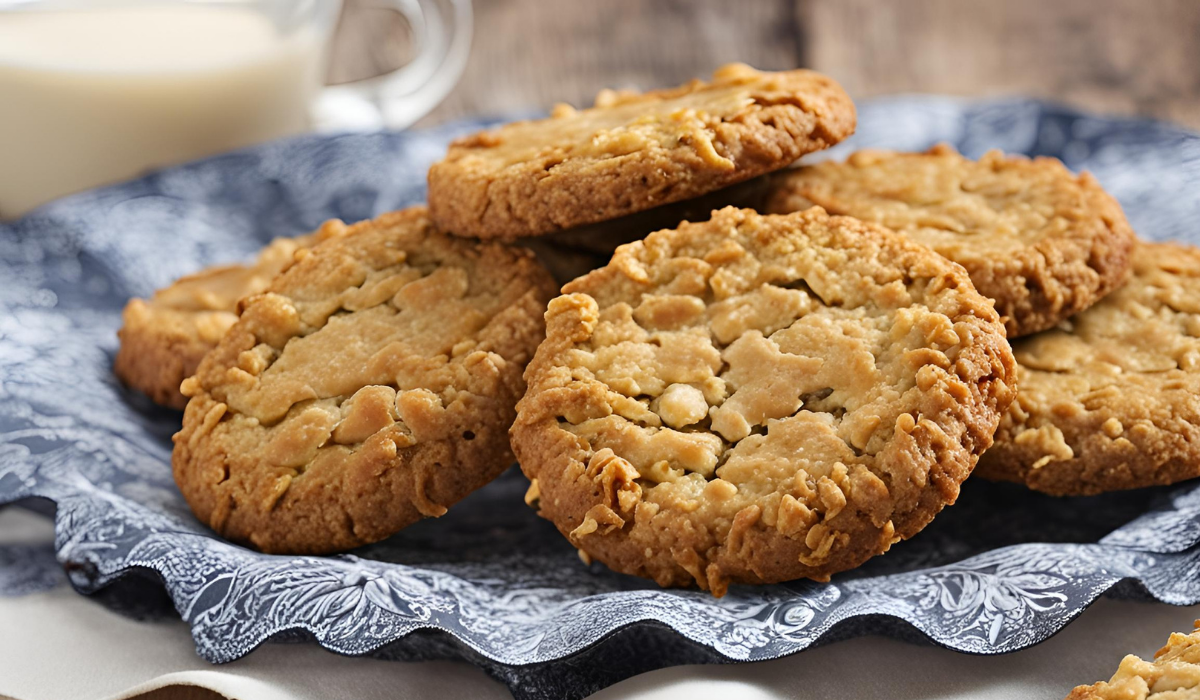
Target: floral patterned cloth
489	582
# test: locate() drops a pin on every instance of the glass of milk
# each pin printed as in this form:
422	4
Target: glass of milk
96	91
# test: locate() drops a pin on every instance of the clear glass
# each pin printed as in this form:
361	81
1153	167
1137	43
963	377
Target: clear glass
96	91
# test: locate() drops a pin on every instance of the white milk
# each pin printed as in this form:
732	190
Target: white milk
94	95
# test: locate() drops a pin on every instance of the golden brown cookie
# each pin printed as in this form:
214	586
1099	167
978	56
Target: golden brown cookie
1042	242
1111	399
759	398
631	152
164	338
373	383
1173	675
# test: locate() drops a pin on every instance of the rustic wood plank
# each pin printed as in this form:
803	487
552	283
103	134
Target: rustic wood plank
1123	56
530	54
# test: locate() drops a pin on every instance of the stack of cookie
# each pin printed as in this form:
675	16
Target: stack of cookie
740	397
1105	328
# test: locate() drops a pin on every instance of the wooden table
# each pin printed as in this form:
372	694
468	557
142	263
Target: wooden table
1121	56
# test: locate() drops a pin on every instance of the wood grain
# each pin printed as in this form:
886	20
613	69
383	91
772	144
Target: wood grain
1124	56
532	54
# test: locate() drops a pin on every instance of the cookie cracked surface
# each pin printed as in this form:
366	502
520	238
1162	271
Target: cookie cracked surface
372	384
758	399
1042	242
632	152
1174	674
164	338
1111	399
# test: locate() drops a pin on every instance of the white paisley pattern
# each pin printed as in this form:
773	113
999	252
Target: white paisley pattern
490	582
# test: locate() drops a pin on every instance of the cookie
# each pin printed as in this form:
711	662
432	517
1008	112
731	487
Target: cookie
1174	674
1042	242
164	338
631	152
372	384
1109	399
759	399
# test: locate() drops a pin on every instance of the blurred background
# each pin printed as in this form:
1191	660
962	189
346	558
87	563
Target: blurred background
1118	56
101	91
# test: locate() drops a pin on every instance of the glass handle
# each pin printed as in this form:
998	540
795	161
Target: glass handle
441	31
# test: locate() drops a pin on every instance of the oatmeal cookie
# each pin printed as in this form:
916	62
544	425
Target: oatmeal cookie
1174	674
1042	242
164	338
1110	400
373	383
632	152
759	398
